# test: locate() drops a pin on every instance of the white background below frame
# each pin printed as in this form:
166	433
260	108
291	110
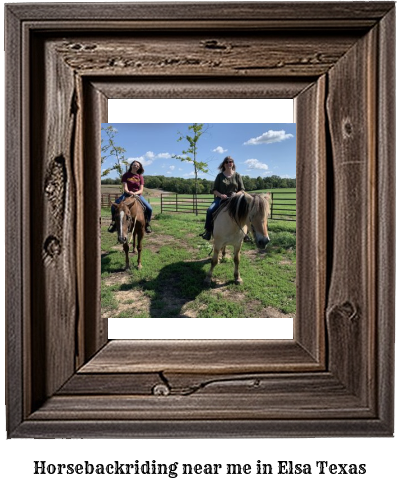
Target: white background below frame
201	111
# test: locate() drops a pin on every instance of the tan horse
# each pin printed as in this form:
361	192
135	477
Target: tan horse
129	218
230	227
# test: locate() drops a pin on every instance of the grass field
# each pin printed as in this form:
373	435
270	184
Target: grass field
175	261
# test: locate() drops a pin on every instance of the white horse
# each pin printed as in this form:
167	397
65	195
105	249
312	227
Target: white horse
241	212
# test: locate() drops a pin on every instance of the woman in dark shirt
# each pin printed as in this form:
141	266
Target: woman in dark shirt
227	183
133	184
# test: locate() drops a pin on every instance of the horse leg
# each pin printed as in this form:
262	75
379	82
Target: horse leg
126	249
139	247
237	277
223	252
134	244
215	260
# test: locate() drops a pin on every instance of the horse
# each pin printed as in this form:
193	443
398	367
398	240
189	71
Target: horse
230	227
129	218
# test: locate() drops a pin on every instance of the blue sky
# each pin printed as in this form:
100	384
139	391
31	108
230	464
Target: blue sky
258	149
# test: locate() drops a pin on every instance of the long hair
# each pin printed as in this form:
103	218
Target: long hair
225	160
140	170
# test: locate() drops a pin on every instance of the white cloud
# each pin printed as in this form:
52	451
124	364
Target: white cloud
255	164
269	137
163	155
219	150
171	167
149	157
183	156
189	174
143	159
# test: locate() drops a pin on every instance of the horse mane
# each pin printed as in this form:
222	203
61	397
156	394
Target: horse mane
261	204
239	206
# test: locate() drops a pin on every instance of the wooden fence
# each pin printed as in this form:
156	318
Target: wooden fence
283	206
108	198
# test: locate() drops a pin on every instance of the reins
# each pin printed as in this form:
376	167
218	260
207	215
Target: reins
134	226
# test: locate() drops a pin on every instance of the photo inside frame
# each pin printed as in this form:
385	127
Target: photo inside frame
153	147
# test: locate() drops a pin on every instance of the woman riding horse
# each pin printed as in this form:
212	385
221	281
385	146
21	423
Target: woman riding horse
133	185
227	183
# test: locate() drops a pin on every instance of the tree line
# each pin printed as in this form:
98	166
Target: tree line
204	186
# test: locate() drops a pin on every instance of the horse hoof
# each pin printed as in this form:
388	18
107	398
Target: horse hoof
207	281
238	282
139	267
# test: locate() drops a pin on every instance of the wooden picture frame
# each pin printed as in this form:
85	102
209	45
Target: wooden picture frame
335	378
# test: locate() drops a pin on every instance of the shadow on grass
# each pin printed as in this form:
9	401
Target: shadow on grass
176	285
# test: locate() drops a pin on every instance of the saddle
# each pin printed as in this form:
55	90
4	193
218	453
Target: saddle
129	201
223	203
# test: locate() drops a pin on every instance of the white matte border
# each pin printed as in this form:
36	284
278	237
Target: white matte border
201	328
201	111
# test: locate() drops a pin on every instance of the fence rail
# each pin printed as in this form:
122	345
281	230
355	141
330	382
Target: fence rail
283	205
108	198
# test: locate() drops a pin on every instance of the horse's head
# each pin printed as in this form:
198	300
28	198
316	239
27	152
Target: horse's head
123	220
258	217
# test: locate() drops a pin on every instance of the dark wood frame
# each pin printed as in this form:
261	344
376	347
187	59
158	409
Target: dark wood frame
64	379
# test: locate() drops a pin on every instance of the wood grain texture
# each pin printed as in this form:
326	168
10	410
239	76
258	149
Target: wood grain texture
239	55
194	428
385	224
177	87
16	246
95	329
65	62
352	126
312	238
359	13
200	356
53	210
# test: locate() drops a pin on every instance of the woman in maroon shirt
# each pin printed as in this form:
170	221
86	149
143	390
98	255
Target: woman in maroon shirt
133	184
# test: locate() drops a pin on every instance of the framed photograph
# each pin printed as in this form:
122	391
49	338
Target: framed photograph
65	378
149	276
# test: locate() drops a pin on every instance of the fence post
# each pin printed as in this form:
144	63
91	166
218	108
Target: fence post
176	202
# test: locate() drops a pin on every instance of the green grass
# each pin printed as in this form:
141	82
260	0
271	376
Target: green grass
175	262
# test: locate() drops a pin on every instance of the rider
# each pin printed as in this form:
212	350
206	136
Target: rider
133	184
227	183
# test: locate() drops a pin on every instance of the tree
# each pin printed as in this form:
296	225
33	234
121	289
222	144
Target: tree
259	183
110	150
190	155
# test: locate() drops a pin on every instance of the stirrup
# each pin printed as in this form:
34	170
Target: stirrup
112	227
148	228
207	235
